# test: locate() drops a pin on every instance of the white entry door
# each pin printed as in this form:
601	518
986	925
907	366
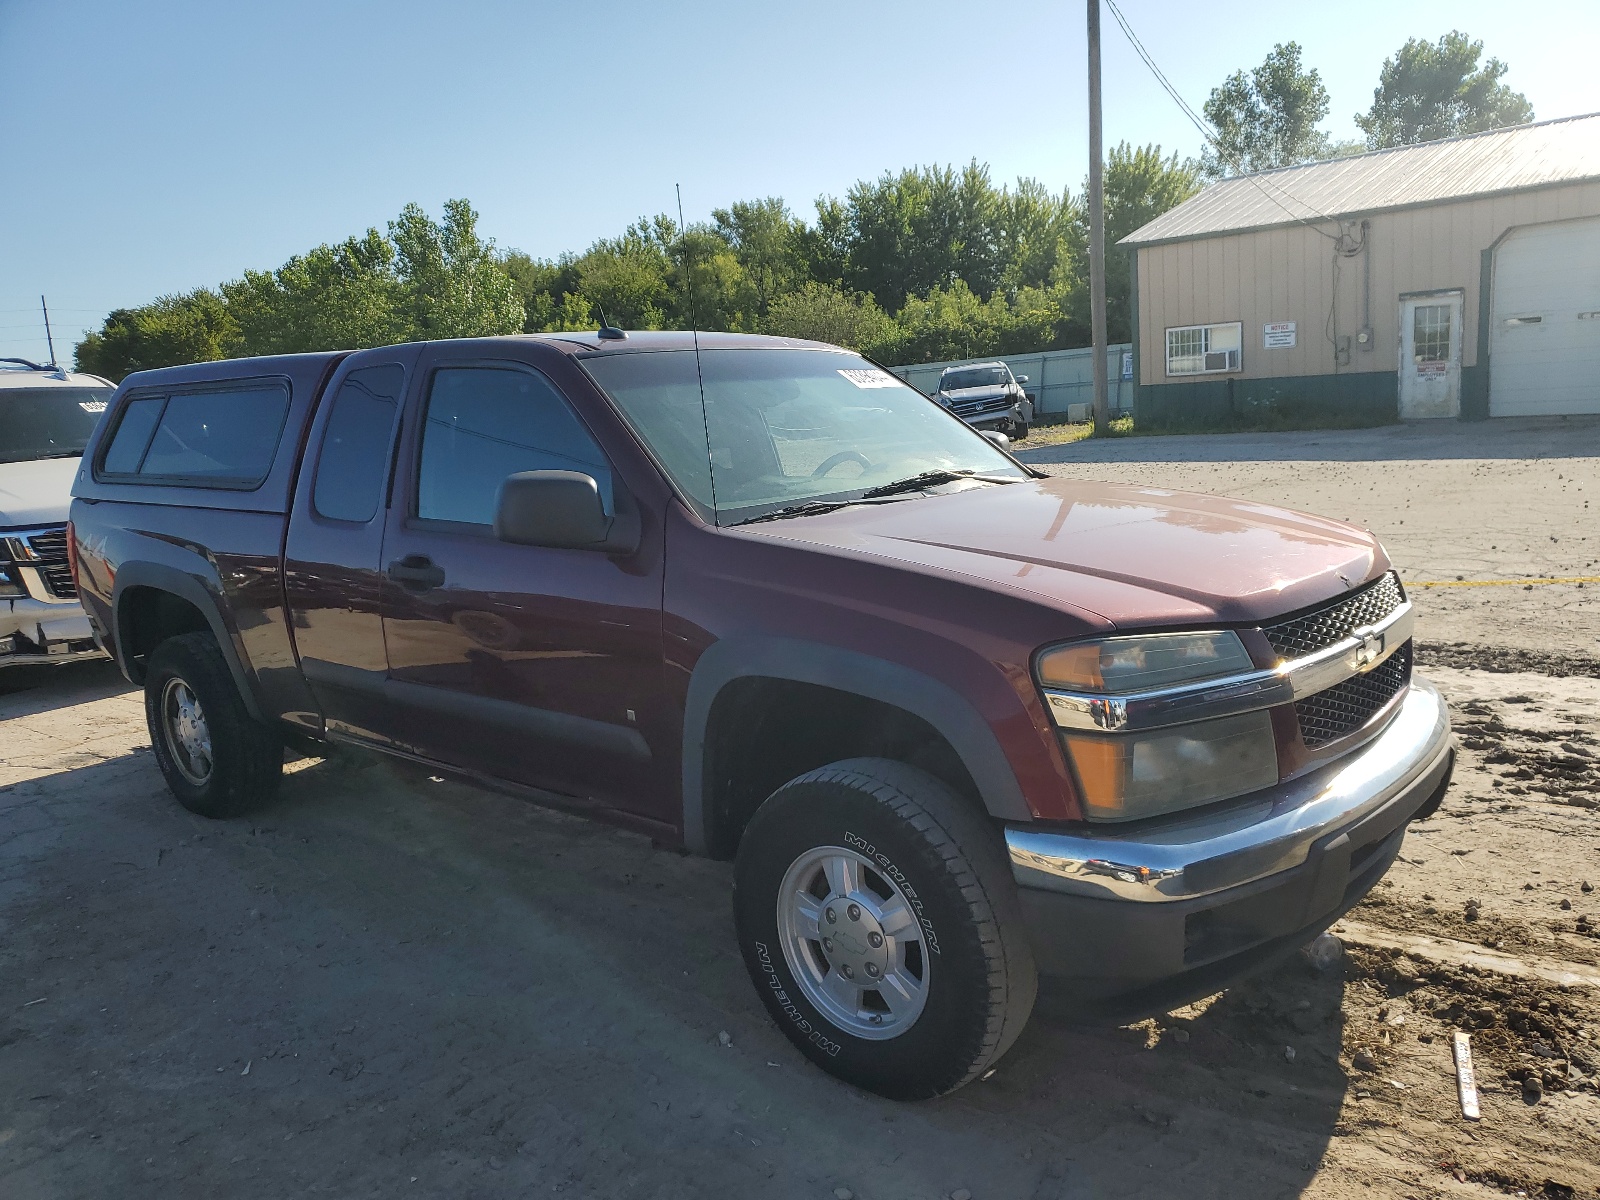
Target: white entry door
1430	356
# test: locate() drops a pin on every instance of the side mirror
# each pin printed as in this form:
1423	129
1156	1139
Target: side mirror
998	438
1022	379
551	508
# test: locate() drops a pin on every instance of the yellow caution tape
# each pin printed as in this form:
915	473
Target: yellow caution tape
1502	582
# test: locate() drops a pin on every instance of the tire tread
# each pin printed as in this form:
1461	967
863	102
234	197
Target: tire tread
248	763
971	852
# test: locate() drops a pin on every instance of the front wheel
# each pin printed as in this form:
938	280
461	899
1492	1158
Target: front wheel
879	921
217	759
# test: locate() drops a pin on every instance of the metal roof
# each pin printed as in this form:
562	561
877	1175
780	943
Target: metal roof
1479	164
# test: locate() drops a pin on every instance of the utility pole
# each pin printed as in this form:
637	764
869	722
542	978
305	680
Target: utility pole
1097	231
49	341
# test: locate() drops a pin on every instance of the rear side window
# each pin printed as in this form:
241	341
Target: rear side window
485	423
354	464
222	436
127	447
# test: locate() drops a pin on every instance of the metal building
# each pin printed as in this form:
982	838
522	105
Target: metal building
1458	278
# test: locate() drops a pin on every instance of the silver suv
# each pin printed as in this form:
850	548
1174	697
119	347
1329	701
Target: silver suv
46	417
987	396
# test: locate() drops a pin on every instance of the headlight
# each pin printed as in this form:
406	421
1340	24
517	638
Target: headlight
1125	776
1143	663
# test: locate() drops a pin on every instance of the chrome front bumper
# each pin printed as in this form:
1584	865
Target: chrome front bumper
1138	920
35	631
1184	858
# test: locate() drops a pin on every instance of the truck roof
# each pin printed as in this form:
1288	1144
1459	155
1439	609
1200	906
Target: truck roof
18	373
232	368
579	344
644	341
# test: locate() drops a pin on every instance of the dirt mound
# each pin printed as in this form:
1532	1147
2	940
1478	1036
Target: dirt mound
1468	656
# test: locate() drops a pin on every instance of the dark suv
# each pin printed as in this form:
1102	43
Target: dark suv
956	723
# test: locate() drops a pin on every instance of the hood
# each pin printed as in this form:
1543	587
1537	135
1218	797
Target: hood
1135	556
37	492
977	393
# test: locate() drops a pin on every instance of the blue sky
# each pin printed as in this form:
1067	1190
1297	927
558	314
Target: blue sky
161	146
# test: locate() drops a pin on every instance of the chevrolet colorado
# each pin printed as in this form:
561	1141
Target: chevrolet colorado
958	725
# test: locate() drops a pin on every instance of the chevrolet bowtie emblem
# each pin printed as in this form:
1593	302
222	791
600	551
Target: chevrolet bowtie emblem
1367	652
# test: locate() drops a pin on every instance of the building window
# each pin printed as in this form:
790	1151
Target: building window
1204	349
1430	332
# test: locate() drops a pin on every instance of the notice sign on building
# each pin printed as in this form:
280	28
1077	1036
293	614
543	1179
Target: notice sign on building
1276	335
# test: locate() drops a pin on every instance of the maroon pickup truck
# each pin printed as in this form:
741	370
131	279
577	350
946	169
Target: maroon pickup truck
958	725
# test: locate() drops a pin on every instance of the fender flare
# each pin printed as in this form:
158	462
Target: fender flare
949	713
182	584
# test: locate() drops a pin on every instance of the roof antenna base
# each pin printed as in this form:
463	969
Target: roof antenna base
609	332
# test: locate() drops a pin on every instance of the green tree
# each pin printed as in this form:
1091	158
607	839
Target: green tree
823	313
1267	118
196	327
708	281
332	298
541	285
452	284
1140	185
629	277
953	322
908	233
927	263
823	249
762	235
1437	90
1038	229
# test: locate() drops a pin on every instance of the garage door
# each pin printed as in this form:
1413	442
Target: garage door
1544	343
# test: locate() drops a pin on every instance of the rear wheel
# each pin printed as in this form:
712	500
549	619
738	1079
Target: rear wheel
218	760
880	924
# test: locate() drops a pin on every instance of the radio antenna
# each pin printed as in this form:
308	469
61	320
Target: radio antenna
50	341
694	328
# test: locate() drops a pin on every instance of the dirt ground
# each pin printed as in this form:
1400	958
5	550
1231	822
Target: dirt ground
386	986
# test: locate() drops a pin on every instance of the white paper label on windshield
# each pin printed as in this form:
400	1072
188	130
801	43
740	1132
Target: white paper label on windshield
92	405
871	378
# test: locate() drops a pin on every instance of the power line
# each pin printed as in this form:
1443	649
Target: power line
1210	136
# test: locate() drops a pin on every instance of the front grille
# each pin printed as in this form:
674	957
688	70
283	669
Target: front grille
45	551
51	544
975	408
58	578
1306	634
1346	707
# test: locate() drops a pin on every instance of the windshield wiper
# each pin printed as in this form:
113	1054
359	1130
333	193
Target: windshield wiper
798	510
875	495
926	480
59	454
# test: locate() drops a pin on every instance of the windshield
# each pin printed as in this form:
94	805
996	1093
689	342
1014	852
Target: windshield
973	377
786	427
48	422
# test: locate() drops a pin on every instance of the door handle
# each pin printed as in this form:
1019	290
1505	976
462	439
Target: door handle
417	571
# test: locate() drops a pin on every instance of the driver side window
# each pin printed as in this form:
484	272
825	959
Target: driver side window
485	423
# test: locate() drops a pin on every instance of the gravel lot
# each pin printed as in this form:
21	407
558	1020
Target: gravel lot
386	986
